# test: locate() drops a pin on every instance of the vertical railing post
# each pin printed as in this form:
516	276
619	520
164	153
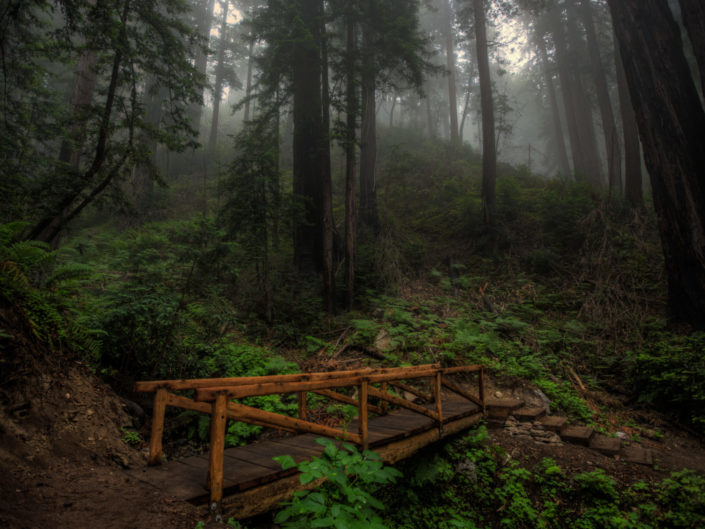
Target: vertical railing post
302	405
383	404
155	442
437	398
481	388
362	413
215	462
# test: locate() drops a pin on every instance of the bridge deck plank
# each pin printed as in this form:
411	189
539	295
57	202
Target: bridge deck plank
246	467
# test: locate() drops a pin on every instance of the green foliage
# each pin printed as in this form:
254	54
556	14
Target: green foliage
489	489
39	287
347	497
130	437
669	371
162	307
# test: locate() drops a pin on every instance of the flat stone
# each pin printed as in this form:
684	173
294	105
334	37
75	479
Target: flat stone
553	423
607	445
502	408
577	434
529	414
638	454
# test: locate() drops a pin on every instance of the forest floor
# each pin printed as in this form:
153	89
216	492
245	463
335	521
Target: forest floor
62	457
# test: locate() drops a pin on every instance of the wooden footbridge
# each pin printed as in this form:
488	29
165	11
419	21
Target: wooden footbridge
245	480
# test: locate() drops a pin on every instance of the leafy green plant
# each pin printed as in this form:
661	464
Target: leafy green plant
130	437
346	497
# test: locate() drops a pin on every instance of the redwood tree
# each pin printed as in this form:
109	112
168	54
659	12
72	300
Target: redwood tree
671	123
489	149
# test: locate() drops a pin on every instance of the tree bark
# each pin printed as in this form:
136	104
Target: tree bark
563	164
308	139
144	181
326	185
203	22
632	148
368	134
586	127
671	124
489	152
578	118
450	65
614	154
248	86
81	98
693	12
351	109
219	74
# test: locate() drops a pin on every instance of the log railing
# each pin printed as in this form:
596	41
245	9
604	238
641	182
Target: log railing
215	396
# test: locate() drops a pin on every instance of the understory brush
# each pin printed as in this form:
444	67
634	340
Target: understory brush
473	484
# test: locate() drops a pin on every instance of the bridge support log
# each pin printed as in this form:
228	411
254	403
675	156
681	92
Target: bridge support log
215	460
437	398
155	442
362	414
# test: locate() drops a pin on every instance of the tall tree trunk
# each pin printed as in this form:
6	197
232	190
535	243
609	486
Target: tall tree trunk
308	139
391	112
351	109
275	183
671	124
219	75
578	118
693	12
81	98
614	154
429	115
450	65
203	23
632	148
489	151
326	185
248	86
563	164
144	180
567	89
586	127
466	110
368	135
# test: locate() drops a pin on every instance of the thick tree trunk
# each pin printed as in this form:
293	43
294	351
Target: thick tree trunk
81	98
308	140
351	109
586	127
430	122
144	180
614	154
693	12
578	117
391	112
219	75
563	164
671	124
326	185
489	152
466	110
450	65
203	22
248	86
368	153
368	133
632	148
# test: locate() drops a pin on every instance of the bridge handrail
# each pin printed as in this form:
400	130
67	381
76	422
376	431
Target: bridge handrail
213	396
